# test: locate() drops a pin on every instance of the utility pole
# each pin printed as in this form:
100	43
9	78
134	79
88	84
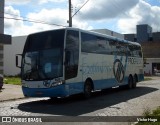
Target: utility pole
70	13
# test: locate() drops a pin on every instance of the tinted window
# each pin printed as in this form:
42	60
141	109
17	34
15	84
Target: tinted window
88	43
45	40
135	50
72	54
94	44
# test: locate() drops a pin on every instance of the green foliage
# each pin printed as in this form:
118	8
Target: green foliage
12	80
147	112
147	78
155	114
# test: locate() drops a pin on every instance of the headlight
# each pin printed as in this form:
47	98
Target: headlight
47	83
24	84
57	83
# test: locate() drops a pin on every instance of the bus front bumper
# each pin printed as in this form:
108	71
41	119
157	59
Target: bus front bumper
57	91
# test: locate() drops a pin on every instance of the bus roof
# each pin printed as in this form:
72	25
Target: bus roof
94	33
103	35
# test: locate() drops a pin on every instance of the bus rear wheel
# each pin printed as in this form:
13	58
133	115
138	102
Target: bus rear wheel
130	82
135	80
88	89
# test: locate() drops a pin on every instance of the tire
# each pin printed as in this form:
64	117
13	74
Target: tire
130	82
135	82
88	89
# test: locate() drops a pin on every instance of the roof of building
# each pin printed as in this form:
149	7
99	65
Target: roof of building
151	49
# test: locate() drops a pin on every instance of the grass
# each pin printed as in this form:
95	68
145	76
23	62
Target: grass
147	78
146	112
12	80
155	114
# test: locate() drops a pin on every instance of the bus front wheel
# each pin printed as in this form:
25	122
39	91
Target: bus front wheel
87	89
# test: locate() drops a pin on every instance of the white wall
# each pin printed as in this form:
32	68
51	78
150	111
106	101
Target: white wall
9	55
148	67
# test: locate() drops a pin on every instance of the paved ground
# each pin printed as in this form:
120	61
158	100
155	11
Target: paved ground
113	102
10	92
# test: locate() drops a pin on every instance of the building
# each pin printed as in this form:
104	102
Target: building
4	39
130	37
156	36
144	33
10	52
150	42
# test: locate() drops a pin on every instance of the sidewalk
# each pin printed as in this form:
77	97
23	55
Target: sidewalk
10	92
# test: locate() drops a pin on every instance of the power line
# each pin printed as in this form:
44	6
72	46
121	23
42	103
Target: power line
80	8
70	11
29	20
37	21
41	22
33	21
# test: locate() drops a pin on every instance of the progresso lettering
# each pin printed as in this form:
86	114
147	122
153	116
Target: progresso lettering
132	60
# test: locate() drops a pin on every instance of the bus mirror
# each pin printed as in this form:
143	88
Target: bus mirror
17	60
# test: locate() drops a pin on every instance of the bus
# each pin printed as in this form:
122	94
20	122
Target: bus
68	61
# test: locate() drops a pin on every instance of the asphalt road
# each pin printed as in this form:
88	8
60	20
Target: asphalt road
111	102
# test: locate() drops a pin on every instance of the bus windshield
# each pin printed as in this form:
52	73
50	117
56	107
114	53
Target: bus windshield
43	56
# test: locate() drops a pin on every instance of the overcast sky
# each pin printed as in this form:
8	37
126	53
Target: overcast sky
118	15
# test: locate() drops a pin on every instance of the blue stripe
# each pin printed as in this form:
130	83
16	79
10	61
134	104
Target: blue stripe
73	88
58	91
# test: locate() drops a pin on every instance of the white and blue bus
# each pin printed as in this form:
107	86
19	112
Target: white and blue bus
63	62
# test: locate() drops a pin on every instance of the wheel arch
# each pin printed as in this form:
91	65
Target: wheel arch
130	76
91	81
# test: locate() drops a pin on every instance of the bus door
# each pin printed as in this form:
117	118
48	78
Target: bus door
71	54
